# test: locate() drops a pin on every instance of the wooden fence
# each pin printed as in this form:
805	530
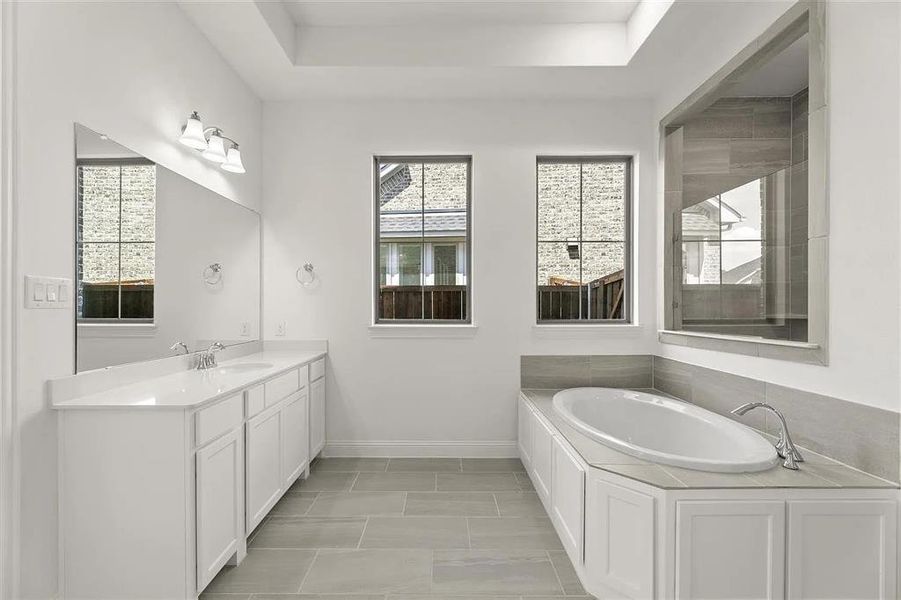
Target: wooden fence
602	298
438	302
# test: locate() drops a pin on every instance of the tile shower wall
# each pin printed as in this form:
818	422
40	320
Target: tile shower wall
861	436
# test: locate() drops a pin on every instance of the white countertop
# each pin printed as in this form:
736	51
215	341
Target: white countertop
191	389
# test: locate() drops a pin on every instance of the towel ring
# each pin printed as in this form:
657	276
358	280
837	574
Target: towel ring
305	275
212	274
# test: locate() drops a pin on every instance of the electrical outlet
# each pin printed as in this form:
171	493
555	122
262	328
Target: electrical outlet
281	329
245	328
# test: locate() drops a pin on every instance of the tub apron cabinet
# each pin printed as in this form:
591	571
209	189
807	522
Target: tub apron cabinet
154	501
629	539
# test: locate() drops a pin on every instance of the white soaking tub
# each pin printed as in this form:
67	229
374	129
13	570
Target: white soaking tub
665	431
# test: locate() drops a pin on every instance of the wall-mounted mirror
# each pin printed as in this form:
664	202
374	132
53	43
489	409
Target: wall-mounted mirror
159	260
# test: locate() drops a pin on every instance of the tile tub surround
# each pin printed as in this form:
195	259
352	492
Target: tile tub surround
860	436
489	537
817	472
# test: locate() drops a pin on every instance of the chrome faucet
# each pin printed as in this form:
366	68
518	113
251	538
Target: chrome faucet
181	345
207	358
785	447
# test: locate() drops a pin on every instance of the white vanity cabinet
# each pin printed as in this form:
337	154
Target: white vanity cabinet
155	499
220	504
317	407
264	464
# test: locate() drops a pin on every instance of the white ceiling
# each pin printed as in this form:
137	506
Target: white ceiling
404	13
785	74
663	48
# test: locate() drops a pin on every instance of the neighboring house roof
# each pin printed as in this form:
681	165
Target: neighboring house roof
748	272
439	223
393	179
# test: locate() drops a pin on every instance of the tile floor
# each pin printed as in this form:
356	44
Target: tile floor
404	529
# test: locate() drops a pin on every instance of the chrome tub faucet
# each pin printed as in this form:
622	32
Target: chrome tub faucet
785	447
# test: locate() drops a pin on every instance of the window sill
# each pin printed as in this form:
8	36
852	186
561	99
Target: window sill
116	330
424	331
581	330
805	352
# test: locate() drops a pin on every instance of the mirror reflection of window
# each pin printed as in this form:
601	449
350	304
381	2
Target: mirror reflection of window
115	239
740	167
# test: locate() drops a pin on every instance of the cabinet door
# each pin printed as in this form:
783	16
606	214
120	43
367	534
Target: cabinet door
542	459
218	504
317	416
619	539
568	493
727	549
525	433
842	549
295	437
264	467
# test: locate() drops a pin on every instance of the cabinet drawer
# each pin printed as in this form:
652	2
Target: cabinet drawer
213	421
317	369
282	386
255	399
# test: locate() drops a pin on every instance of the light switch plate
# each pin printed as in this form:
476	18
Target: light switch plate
48	292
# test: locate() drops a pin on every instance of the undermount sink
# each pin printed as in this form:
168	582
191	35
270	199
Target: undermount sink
243	368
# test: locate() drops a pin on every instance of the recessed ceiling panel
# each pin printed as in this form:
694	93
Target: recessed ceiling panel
380	13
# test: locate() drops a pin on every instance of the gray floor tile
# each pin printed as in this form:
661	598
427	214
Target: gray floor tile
318	597
494	572
514	533
325	481
492	465
310	532
354	504
369	571
395	482
432	465
477	482
205	596
519	504
567	574
451	504
416	532
294	504
449	597
265	570
350	464
524	482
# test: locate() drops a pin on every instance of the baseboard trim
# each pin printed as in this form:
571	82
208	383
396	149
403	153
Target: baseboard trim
465	449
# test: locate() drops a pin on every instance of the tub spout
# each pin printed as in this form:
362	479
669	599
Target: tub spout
784	447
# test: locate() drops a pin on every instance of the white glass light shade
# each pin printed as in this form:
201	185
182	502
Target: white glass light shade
192	136
233	162
215	150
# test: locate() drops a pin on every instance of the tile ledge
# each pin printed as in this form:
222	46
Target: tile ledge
748	339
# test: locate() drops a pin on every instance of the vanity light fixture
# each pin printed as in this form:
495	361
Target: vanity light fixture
214	146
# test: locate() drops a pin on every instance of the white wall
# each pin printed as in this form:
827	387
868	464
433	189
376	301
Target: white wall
318	206
864	189
133	71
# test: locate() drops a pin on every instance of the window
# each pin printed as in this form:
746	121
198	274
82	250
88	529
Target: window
583	239
422	233
115	239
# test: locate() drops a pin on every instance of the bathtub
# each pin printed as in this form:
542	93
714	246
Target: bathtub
665	431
